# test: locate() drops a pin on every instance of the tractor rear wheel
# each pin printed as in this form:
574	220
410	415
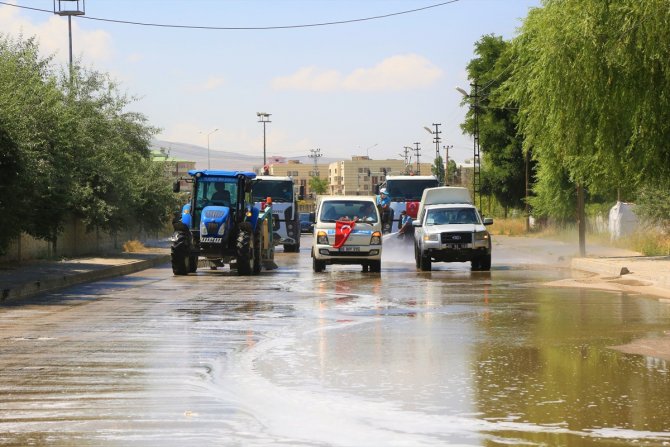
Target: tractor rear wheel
245	251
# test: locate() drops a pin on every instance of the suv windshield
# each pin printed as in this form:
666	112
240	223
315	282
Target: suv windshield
279	190
361	210
452	216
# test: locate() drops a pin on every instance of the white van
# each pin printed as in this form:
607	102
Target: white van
363	246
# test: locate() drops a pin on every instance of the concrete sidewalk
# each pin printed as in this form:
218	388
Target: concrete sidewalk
18	281
640	274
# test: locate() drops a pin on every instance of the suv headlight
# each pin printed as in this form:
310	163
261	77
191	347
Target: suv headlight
431	237
322	238
376	238
482	236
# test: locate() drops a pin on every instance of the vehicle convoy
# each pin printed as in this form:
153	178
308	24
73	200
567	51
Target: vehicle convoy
405	193
221	224
286	217
449	229
347	230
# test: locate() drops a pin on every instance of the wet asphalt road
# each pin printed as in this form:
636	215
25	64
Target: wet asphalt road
343	358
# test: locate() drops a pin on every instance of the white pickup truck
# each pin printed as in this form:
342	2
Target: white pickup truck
448	228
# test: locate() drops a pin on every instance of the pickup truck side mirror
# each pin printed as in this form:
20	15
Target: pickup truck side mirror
416	223
488	221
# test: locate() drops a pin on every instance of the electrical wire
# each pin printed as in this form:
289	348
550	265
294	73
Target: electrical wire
240	28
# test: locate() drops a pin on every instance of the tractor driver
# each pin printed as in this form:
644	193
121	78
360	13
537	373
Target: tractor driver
221	195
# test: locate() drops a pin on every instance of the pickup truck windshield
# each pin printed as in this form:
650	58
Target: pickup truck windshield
452	216
361	210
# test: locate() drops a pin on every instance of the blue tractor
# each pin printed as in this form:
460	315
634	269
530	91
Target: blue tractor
221	224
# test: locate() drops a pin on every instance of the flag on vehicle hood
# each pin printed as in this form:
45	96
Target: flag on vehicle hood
343	229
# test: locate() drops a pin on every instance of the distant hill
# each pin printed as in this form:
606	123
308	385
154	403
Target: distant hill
220	159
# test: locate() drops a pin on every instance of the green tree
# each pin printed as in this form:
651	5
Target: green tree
504	163
437	169
592	82
318	185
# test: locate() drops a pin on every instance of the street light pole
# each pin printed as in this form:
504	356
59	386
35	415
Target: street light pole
264	118
208	159
70	8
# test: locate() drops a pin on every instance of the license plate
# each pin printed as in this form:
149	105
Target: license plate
350	248
211	240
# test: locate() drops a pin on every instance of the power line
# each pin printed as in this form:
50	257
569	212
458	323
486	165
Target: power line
242	28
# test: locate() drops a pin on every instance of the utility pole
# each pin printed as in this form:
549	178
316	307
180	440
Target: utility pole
476	161
417	151
315	154
407	158
436	139
446	164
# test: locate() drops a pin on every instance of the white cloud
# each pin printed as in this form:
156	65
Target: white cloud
309	78
211	83
400	72
52	34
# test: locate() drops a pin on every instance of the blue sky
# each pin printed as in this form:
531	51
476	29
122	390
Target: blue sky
371	85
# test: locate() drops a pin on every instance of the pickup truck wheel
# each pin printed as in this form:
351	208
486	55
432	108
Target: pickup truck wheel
485	263
245	252
318	266
179	254
425	263
375	266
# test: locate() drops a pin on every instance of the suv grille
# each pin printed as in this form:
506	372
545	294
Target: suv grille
456	238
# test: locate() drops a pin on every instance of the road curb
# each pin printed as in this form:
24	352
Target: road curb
607	267
51	284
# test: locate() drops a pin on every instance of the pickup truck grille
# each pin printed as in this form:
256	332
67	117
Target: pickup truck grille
456	238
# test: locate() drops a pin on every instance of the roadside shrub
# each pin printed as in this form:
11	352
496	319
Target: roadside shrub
133	246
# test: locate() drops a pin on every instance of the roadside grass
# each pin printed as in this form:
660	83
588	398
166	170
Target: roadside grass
649	242
133	246
515	226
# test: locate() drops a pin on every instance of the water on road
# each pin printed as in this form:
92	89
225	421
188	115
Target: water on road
342	358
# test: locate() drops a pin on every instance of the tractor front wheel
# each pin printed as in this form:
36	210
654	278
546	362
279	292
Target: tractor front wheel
180	251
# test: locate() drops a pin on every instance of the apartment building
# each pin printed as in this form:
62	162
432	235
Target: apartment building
360	175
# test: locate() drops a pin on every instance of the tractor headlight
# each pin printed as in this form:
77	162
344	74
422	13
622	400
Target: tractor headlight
481	235
222	229
431	237
376	238
322	238
203	227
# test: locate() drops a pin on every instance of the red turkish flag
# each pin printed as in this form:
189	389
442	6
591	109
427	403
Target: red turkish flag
342	231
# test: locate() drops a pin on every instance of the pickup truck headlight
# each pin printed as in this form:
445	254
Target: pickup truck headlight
322	238
431	237
376	238
482	236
